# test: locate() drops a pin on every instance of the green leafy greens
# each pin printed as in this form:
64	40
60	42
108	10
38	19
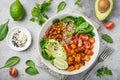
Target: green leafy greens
30	63
80	24
107	38
77	2
38	12
55	20
11	62
61	6
31	70
3	30
103	71
45	55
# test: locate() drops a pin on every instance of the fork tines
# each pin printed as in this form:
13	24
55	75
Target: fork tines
106	52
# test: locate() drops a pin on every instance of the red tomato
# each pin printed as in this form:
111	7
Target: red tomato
76	36
79	42
66	47
86	44
109	24
91	46
13	72
91	39
75	41
84	36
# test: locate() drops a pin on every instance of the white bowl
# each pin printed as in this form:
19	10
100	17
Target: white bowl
87	64
9	38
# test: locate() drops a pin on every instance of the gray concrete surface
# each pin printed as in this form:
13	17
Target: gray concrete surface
32	52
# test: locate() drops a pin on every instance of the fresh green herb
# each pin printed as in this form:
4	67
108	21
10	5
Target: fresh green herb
30	63
80	25
61	6
45	55
77	2
38	12
55	20
84	25
103	71
31	71
3	30
43	42
84	30
11	62
69	33
91	33
79	20
45	16
68	19
107	38
32	19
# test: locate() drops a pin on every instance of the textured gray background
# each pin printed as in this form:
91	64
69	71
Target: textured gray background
87	6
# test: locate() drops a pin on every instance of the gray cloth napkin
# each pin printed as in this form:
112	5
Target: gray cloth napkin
45	68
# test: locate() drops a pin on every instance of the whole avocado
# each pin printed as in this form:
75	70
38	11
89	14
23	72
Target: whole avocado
103	8
17	10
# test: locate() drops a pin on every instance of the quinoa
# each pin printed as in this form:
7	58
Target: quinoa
68	28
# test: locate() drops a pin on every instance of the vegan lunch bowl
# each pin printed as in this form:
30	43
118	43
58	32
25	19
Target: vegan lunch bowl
68	43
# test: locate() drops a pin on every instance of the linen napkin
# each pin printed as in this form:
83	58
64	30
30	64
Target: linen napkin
45	68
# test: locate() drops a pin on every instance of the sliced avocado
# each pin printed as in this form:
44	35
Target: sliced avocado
55	49
102	15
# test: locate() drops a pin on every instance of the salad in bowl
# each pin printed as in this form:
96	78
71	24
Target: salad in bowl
68	43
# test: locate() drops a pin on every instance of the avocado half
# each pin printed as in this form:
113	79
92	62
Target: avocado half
98	14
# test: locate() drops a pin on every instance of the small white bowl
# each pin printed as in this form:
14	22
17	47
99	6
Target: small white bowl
10	35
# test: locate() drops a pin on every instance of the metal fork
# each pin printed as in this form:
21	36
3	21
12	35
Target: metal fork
106	52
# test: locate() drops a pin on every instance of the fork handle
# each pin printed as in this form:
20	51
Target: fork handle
86	75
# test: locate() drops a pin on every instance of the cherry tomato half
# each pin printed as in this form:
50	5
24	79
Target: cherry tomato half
109	24
13	72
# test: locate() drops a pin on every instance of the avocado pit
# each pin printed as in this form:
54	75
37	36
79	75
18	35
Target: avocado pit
103	5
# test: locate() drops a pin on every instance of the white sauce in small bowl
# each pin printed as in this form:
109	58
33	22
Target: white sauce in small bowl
19	39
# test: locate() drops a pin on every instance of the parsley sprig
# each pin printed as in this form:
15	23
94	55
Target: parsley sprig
38	12
104	71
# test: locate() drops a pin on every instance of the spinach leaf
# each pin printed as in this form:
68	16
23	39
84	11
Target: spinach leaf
11	62
43	42
79	20
30	63
107	38
31	71
84	25
84	30
61	6
91	33
45	55
55	21
3	30
68	19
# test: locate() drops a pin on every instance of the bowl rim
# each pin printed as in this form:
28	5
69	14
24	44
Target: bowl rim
75	71
29	38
